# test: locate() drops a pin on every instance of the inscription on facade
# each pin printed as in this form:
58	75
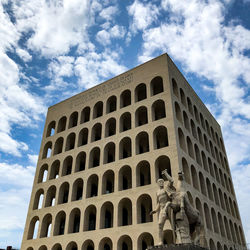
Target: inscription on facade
102	90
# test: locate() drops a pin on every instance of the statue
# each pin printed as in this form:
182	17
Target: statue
173	204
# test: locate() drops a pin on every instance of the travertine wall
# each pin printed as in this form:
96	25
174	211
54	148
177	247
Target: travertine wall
102	152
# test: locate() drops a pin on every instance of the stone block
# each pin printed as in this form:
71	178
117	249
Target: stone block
178	247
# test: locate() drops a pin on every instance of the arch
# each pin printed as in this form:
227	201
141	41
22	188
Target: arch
202	121
221	224
196	114
193	129
216	197
62	124
88	245
186	121
43	172
141	116
54	170
106	244
33	228
74	221
156	85
125	122
145	241
186	171
236	210
83	137
226	203
67	165
108	182
220	177
210	166
194	178
222	204
199	207
227	228
107	214
142	143
178	112
140	92
206	143
242	238
207	127
92	186
50	196
96	134
219	247
202	184
124	243
51	129
98	110
89	218
70	142
63	193
80	162
85	115
190	106
237	233
143	208
94	157
197	154
111	104
190	198
125	148
162	163
73	119
214	220
72	246
204	161
46	226
58	146
209	189
57	247
211	148
158	110
77	190
232	231
200	138
125	98
125	178
43	247
109	153
125	212
212	245
47	150
207	217
143	175
183	97
160	135
190	147
175	88
181	140
110	127
38	200
59	228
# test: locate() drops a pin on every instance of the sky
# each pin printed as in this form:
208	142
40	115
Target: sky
53	49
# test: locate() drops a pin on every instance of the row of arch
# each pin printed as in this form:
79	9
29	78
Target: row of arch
208	189
203	140
76	223
140	94
179	93
107	186
144	241
110	130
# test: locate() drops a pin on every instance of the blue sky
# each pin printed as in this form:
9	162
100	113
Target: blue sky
50	50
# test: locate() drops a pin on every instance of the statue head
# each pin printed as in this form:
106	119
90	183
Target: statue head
179	183
181	176
160	183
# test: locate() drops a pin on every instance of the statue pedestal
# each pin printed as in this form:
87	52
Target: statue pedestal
178	247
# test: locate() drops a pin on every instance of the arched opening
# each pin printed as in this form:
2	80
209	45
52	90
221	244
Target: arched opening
125	178
107	213
47	150
85	115
109	153
125	243
216	197
62	124
190	148
199	208
156	85
178	112
77	191
221	224
183	97
88	245
186	171
211	149
140	92
72	246
227	228
206	143
196	114
200	136
162	163
106	244
80	162
111	104
108	182
125	122
46	226
125	212
70	142
54	170
144	207
63	193
74	221
158	110
94	158
38	201
207	217
98	110
145	241
73	119
210	166
193	129
50	196
43	172
237	234
58	146
215	222
67	166
194	178
190	198
204	161
57	247
33	228
181	140
141	116
83	137
51	129
125	98
186	121
142	143
110	128
160	137
90	218
59	227
125	148
190	106
212	245
202	184
175	88
232	231
197	154
209	190
143	176
96	132
216	173
92	186
222	204
202	121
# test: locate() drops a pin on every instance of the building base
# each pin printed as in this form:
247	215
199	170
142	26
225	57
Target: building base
178	247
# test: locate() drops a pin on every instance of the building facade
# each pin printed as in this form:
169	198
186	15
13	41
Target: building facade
102	152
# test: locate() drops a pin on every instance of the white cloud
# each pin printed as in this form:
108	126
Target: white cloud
24	54
109	13
33	159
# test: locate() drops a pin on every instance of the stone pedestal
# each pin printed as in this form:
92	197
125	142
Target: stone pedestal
178	247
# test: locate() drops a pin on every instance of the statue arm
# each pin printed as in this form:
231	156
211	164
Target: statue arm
157	209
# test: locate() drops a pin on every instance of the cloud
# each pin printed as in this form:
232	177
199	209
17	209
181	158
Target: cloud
24	54
109	13
33	159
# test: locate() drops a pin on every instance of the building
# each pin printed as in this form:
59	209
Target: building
102	152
